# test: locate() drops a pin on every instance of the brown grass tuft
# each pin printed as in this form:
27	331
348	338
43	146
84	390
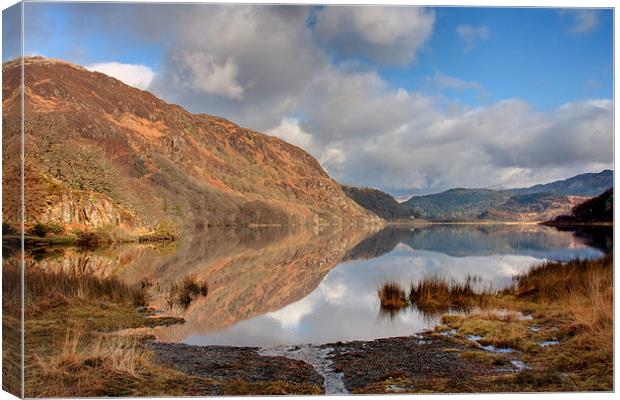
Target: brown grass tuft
437	294
392	296
184	293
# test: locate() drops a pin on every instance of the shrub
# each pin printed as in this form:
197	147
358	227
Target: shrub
39	229
8	229
55	228
42	229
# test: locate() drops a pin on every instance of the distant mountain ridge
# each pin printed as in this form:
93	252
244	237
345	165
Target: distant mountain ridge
536	203
588	184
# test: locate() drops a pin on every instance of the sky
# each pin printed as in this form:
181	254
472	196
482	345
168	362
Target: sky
409	100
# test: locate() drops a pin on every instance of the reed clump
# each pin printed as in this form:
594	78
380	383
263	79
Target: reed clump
392	296
184	293
437	294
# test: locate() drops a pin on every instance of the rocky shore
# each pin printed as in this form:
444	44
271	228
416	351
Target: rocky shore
400	364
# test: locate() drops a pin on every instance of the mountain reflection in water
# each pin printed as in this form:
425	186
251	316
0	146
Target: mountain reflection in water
269	286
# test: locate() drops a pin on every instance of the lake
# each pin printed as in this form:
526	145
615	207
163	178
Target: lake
271	286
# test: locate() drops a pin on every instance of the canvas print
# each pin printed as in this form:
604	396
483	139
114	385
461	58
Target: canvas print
246	199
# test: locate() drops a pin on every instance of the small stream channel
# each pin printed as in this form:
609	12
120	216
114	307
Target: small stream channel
318	357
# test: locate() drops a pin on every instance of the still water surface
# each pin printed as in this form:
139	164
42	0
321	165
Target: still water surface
269	287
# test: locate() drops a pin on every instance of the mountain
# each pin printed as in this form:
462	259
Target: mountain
456	204
599	209
378	202
589	184
535	203
99	153
532	207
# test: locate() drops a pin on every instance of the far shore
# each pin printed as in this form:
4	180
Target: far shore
482	222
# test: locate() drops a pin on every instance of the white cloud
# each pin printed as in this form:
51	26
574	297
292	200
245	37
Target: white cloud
291	316
583	21
506	143
265	68
469	35
248	63
201	72
290	131
387	34
136	75
332	156
444	81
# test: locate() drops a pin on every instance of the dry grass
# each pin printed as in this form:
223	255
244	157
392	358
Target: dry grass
178	295
571	303
87	366
117	353
189	290
392	296
66	353
239	387
553	280
583	289
84	365
45	290
438	294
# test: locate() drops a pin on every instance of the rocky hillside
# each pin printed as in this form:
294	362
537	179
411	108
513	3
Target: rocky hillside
378	202
98	153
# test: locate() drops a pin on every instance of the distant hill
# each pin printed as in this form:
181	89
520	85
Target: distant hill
536	203
596	210
378	202
589	184
456	204
532	207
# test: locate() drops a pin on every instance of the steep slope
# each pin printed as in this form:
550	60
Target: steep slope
378	202
599	209
97	147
